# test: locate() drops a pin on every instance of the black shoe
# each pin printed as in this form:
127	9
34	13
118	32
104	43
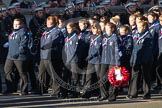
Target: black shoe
111	99
147	97
160	92
86	95
34	91
131	97
73	95
62	96
98	97
45	91
23	93
7	93
102	98
159	87
54	95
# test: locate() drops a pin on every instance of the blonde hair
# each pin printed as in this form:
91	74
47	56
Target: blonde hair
115	19
133	16
83	21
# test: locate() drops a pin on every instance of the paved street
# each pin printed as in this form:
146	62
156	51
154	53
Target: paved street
34	101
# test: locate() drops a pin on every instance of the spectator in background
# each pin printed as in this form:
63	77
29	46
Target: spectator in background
62	3
115	2
98	1
13	1
18	14
47	10
25	4
53	3
33	5
145	1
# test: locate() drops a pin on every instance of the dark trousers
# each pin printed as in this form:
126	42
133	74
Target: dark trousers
91	69
82	65
159	70
144	71
32	76
73	68
72	75
21	67
106	89
52	69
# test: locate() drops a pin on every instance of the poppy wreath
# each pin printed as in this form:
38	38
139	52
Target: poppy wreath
118	76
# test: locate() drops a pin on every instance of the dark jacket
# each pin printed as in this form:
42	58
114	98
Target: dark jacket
36	26
51	43
71	45
154	29
18	45
110	50
142	49
95	49
8	24
160	40
160	45
125	44
83	44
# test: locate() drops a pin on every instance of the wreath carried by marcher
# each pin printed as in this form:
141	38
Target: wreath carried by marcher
118	76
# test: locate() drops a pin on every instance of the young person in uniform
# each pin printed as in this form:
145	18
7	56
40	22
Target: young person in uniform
17	55
51	45
125	42
83	47
93	58
110	58
132	23
141	61
154	29
71	48
159	59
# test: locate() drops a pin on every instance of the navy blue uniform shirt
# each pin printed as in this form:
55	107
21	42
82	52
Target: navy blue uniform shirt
71	45
142	49
154	29
18	45
110	50
125	44
160	40
95	49
83	44
51	43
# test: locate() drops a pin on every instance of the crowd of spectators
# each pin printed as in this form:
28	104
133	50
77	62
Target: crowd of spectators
63	3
